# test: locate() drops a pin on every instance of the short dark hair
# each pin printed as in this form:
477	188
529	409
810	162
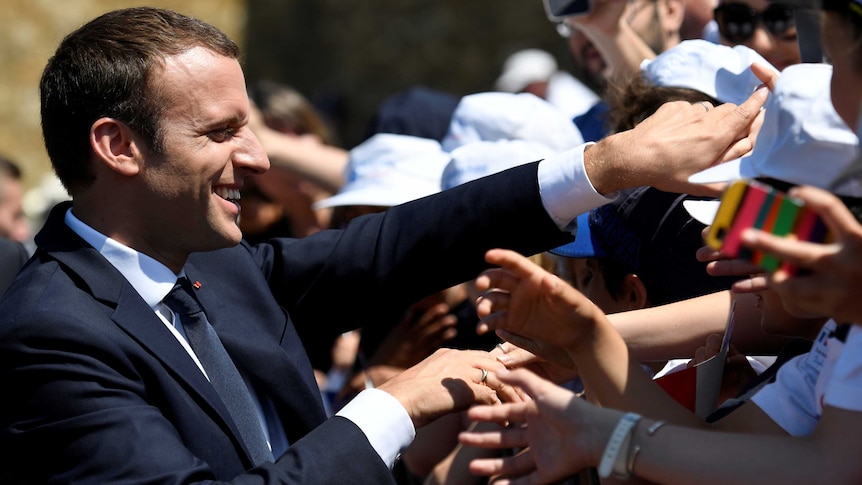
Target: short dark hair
103	69
634	99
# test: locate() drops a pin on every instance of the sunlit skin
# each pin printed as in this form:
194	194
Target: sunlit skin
776	320
843	50
779	52
184	198
13	222
641	15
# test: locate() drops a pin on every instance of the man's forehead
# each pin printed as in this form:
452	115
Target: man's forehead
199	74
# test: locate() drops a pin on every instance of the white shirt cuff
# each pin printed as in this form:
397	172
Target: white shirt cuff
566	189
384	421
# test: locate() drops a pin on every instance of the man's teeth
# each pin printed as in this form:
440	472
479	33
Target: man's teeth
228	194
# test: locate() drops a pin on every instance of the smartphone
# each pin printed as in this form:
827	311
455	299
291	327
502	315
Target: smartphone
748	203
557	10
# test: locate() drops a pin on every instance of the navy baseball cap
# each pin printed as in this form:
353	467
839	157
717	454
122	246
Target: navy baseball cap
585	245
649	233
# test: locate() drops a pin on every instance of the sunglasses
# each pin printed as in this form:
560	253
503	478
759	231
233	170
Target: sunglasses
737	21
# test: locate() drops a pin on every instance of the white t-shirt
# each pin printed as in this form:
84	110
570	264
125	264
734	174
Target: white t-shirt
802	385
844	390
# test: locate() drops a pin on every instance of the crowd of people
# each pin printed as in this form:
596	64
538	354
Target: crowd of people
509	286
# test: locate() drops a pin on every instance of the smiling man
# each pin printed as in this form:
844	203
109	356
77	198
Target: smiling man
146	343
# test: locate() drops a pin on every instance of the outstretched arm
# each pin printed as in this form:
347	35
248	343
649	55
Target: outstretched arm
539	312
564	434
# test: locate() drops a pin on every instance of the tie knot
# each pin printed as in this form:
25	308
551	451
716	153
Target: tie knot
182	300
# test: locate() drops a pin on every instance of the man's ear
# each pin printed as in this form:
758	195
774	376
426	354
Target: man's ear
116	146
672	16
634	293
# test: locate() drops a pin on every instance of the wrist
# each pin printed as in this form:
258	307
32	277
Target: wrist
616	454
606	164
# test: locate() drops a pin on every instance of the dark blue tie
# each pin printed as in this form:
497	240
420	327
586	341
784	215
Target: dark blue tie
221	370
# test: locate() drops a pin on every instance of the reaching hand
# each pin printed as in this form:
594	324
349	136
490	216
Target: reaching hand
561	433
829	284
514	357
677	141
534	309
418	335
720	265
448	381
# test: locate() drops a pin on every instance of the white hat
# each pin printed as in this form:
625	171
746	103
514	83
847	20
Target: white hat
494	116
802	140
482	158
525	67
389	169
717	70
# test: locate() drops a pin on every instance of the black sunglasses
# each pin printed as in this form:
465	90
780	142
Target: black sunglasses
737	21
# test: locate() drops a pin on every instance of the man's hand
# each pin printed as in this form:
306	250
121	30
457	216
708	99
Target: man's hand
449	381
678	140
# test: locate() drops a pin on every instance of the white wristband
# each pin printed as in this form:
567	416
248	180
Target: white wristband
620	439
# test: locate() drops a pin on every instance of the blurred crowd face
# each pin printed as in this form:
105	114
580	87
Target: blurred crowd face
13	222
644	19
766	27
843	45
586	275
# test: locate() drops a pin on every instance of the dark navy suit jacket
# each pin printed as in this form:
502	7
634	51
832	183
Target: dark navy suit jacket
97	390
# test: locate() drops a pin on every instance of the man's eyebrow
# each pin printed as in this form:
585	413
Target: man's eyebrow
231	120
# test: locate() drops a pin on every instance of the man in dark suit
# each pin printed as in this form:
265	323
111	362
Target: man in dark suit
144	113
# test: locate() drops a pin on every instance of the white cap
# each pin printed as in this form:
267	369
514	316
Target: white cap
717	70
525	67
389	169
482	158
492	116
802	140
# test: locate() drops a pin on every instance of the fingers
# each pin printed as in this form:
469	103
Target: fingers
741	121
496	278
713	345
789	250
707	253
835	214
732	267
491	302
766	75
513	466
501	414
753	284
520	266
745	113
516	356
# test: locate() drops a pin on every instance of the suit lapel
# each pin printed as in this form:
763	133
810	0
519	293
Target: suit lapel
130	312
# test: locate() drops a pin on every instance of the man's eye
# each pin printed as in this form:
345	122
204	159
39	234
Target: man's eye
222	134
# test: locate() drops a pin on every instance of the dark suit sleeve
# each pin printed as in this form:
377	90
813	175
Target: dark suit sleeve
88	407
380	264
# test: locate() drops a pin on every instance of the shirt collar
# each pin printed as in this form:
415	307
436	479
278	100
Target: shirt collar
150	278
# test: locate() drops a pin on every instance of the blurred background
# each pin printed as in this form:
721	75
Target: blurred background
345	56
